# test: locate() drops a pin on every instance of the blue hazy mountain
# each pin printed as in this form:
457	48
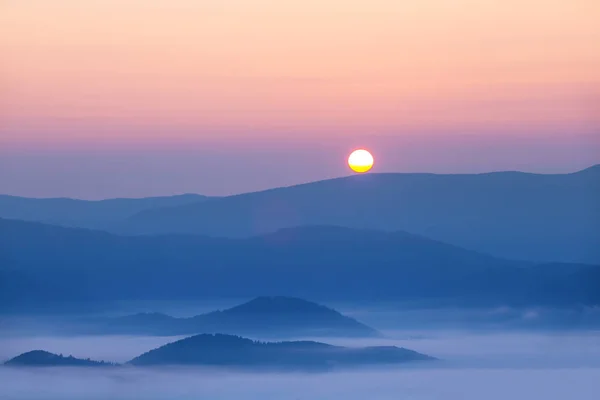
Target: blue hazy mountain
41	358
263	316
233	351
43	265
220	350
517	215
85	214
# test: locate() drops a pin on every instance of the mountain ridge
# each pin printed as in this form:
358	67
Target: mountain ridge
91	214
42	263
42	358
264	316
535	217
228	351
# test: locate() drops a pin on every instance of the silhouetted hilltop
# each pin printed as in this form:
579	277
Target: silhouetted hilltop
43	264
282	316
232	351
538	217
278	305
41	358
593	170
237	352
141	323
99	214
263	316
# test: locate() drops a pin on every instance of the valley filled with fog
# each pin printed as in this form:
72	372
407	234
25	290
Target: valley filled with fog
498	365
376	287
299	200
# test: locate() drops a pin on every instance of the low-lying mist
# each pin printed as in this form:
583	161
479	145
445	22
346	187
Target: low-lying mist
416	384
415	316
493	366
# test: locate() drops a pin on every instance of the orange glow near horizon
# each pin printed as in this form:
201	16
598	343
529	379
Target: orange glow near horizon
271	68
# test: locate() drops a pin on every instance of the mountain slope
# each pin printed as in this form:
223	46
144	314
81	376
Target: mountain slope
509	214
237	352
263	316
85	214
41	358
41	264
233	351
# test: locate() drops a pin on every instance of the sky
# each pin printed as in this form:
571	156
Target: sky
105	98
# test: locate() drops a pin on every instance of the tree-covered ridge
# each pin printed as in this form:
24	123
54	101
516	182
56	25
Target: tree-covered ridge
229	351
235	351
42	358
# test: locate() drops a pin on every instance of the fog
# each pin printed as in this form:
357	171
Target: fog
420	316
463	384
472	366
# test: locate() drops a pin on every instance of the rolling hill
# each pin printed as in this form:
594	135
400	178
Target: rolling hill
233	351
41	265
41	358
263	316
508	214
226	351
101	214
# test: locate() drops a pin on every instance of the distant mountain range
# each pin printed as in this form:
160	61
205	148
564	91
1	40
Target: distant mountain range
102	214
263	316
536	217
236	352
43	265
508	214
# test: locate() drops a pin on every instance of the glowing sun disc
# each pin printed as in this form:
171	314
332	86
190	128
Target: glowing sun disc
360	161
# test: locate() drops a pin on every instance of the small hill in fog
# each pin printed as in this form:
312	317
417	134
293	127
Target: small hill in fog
41	358
284	315
233	351
262	316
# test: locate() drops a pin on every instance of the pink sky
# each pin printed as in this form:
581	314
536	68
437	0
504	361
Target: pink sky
153	77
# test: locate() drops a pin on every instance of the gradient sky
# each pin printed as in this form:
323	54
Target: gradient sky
103	98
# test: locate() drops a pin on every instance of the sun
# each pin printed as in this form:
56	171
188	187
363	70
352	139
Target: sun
360	161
